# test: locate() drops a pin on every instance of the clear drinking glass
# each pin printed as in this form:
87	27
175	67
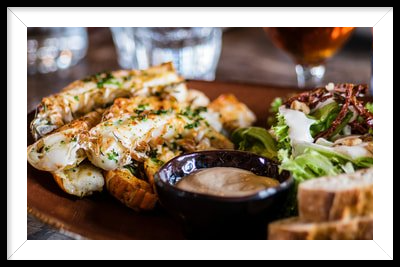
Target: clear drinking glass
53	48
194	51
310	47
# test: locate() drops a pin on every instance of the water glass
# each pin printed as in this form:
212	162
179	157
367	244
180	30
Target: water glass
53	48
194	51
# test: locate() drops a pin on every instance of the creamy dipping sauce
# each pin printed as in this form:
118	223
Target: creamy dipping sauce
226	182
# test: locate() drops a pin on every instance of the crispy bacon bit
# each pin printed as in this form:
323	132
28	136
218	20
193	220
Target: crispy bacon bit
346	94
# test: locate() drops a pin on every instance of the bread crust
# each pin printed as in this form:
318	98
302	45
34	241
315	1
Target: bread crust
324	204
360	228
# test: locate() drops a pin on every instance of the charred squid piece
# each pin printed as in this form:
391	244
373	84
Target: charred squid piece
96	91
65	147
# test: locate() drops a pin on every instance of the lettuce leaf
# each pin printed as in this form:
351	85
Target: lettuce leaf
332	154
281	132
310	160
273	110
369	107
324	117
310	164
255	139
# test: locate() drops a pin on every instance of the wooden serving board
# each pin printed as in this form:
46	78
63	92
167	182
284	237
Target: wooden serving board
101	216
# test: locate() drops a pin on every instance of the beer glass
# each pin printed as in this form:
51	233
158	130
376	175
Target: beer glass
309	47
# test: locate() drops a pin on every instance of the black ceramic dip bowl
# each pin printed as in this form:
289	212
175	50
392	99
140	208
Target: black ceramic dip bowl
214	217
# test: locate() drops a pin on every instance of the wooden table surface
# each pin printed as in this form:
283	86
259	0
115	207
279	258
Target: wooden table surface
247	56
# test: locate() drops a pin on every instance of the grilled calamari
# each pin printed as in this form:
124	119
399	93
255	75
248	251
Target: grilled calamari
64	148
151	117
114	142
81	180
96	91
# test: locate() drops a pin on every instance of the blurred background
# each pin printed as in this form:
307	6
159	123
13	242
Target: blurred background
58	56
244	55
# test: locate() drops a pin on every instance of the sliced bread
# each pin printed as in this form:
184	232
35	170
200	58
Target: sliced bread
296	229
336	197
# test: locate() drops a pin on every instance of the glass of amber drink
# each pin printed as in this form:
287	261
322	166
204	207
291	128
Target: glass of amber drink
309	47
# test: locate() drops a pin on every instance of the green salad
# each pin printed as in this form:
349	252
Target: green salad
326	131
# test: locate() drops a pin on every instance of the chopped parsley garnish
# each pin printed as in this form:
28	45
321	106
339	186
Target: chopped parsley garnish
113	81
193	114
153	156
113	156
46	148
139	117
142	106
137	170
132	168
160	111
192	125
127	78
152	153
174	145
157	161
189	126
76	98
108	79
200	109
62	142
73	139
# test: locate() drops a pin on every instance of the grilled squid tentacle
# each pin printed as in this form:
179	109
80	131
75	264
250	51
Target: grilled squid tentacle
135	193
96	91
81	180
65	147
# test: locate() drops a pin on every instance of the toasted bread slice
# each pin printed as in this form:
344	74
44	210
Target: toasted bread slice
130	190
337	197
296	229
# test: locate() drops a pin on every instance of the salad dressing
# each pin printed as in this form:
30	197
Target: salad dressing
225	182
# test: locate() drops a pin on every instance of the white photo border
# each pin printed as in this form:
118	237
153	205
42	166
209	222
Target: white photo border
18	247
